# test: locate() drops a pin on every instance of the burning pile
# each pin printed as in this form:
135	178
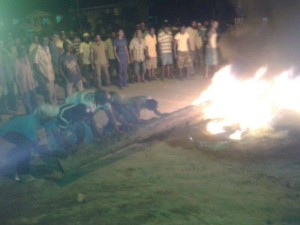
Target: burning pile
248	105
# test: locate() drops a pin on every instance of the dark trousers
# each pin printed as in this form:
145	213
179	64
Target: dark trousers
123	76
21	154
112	67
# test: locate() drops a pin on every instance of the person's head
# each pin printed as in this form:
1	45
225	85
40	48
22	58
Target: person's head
215	24
21	50
63	36
68	47
182	29
166	28
35	39
151	104
120	33
86	37
138	34
199	25
193	24
102	97
45	41
152	31
143	26
55	37
98	38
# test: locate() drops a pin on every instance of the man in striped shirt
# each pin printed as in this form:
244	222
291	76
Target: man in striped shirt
165	41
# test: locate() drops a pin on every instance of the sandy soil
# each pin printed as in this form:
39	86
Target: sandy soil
169	180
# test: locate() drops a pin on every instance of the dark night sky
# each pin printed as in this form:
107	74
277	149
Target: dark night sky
167	8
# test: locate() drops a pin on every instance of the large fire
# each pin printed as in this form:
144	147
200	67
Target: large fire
247	105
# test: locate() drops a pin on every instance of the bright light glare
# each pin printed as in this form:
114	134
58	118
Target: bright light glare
251	103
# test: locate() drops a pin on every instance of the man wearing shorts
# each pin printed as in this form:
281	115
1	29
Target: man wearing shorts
165	41
182	52
211	51
151	54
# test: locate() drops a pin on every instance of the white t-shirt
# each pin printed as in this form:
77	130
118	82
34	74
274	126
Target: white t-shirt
182	42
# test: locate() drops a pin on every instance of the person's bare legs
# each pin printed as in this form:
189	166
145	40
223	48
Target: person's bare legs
163	71
188	70
206	71
169	71
180	73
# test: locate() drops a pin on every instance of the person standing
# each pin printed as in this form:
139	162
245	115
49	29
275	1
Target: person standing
137	51
69	69
25	80
199	47
99	59
165	41
111	54
122	56
193	35
211	51
182	52
43	65
151	62
85	58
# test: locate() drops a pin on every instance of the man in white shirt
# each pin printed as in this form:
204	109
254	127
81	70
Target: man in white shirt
151	63
193	33
44	67
165	41
182	52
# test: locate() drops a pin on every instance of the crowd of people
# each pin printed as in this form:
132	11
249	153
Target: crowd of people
87	65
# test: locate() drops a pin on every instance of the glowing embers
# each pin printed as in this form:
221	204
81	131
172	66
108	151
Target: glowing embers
248	105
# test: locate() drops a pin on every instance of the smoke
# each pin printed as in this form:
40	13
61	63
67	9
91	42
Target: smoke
277	46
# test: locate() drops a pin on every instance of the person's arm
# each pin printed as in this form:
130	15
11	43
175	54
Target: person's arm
189	44
60	67
157	113
131	49
120	119
175	48
128	56
116	54
81	54
113	120
18	77
92	56
106	54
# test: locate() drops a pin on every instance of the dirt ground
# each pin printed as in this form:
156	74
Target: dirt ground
169	180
